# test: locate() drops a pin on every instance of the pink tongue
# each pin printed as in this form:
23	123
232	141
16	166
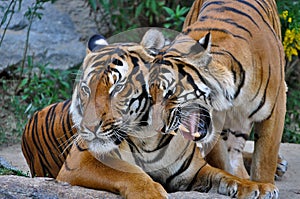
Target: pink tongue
191	125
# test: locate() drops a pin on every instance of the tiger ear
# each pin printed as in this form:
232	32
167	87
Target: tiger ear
96	42
153	39
200	56
205	42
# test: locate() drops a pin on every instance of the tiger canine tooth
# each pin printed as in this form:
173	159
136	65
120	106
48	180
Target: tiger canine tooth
173	133
182	128
197	134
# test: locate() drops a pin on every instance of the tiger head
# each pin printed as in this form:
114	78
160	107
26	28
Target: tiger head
184	89
110	98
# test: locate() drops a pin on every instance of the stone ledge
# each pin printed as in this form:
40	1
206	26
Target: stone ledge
23	187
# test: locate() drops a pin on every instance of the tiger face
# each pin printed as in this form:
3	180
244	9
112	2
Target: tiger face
110	99
183	90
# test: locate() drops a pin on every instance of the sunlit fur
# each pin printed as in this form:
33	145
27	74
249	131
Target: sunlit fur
229	60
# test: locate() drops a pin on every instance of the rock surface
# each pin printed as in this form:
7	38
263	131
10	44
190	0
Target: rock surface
21	187
58	39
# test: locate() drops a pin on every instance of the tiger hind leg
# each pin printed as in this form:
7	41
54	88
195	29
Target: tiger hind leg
267	139
282	164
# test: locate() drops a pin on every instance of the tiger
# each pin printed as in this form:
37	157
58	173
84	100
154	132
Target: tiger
224	75
229	136
50	132
131	159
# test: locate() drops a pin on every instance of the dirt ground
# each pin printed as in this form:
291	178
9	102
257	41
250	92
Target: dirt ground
289	185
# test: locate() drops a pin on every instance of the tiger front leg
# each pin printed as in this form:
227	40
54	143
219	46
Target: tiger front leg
210	178
81	168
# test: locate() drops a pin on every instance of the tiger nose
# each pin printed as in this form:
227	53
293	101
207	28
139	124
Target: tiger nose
157	120
92	127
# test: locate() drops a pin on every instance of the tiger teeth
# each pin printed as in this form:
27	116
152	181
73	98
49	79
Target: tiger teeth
173	133
182	128
197	134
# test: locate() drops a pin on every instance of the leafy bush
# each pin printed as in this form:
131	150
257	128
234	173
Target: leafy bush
43	86
122	15
289	12
292	121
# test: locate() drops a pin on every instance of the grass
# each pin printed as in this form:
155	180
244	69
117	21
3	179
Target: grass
6	171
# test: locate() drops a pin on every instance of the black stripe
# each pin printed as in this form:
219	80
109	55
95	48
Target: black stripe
260	83
263	6
196	179
216	30
262	17
185	166
163	142
66	104
206	5
37	143
80	148
228	21
51	133
48	148
239	134
263	99
67	129
180	68
234	10
241	72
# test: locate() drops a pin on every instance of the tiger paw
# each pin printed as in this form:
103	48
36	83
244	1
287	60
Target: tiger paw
282	166
149	190
248	189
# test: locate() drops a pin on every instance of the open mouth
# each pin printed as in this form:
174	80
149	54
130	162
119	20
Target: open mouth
194	125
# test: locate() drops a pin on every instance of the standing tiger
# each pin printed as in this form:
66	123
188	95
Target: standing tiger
225	73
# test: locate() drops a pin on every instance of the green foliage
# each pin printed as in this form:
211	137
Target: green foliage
176	17
128	14
6	171
289	11
43	86
292	120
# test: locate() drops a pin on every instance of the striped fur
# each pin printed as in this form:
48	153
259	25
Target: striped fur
227	65
47	138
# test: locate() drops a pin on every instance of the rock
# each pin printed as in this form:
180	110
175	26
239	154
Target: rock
83	18
22	187
288	185
53	40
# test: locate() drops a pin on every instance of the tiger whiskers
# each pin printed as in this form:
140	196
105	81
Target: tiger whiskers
69	142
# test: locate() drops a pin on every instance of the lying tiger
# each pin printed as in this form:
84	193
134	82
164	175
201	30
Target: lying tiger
225	74
117	148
